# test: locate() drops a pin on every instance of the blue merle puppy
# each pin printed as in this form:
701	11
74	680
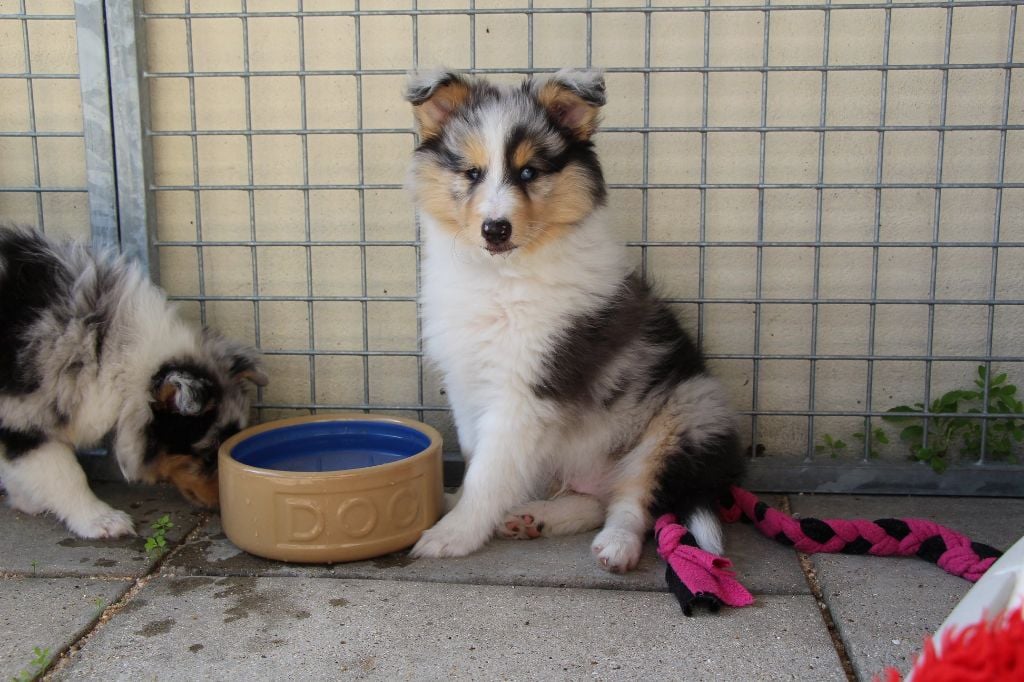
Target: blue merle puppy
90	348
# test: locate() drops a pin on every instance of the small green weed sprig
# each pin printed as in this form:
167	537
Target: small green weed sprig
156	542
40	661
876	435
833	447
961	430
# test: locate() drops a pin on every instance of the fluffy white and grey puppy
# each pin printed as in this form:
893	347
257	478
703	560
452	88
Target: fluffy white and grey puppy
578	399
90	349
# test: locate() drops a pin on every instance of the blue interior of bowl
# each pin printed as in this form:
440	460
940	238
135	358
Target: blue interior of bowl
330	446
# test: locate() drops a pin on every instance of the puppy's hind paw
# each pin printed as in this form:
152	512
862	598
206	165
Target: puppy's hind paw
105	522
521	527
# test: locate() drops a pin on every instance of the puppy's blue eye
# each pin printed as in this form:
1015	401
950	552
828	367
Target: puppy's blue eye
473	174
527	174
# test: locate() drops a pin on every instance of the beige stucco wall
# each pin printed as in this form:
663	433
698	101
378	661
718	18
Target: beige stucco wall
246	212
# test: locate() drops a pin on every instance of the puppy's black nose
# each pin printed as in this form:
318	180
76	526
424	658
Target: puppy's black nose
497	231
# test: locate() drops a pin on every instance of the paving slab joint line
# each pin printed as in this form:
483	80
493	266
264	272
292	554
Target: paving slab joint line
807	566
62	659
26	575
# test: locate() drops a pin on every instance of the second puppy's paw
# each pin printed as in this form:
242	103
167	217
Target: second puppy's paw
25	503
617	550
101	522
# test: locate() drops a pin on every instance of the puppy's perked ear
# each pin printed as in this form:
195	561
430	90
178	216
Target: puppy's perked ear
183	391
435	95
241	362
245	366
572	99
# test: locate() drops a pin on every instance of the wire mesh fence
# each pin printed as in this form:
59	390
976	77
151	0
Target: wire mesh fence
42	166
831	194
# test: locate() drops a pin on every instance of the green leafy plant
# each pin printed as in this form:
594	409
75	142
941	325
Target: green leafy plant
40	661
156	542
100	603
832	446
959	431
1003	432
877	435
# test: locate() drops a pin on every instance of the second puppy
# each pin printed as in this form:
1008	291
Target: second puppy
89	347
578	399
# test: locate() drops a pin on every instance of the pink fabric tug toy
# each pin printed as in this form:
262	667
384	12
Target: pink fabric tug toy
699	578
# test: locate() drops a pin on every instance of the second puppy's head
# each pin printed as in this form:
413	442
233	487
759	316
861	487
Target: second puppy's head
197	403
507	168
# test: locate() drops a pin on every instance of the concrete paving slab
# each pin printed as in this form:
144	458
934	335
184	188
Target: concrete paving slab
885	606
303	628
42	546
48	613
765	567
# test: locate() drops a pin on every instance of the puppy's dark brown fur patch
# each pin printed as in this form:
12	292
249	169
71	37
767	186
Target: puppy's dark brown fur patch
187	475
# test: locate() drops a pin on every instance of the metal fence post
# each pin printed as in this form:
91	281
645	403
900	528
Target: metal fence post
126	46
99	136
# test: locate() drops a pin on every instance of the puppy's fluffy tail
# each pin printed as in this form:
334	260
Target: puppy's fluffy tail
695	477
705	463
707	529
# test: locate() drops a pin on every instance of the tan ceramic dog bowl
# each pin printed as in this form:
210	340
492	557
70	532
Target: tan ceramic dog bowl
330	488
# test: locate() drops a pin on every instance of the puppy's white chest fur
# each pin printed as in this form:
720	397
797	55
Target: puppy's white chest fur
488	330
490	324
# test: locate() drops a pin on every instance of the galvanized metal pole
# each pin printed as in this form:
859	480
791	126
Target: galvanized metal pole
126	46
98	127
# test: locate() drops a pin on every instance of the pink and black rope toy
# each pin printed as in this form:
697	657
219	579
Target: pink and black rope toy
699	578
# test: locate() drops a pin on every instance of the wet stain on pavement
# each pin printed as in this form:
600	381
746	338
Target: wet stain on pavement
156	627
180	586
134	605
135	543
270	604
247	599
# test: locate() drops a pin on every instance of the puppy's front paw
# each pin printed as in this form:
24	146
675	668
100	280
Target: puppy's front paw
447	539
101	522
617	550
